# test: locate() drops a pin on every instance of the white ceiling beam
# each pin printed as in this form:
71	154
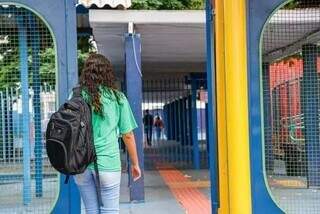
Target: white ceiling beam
98	17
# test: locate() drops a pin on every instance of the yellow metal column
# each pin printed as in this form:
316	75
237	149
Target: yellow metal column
232	101
237	106
221	109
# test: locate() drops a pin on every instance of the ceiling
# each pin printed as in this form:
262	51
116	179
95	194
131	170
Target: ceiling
172	41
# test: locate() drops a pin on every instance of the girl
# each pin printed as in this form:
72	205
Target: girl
111	116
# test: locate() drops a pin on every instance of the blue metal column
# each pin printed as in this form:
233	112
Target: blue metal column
310	109
23	54
134	94
267	116
194	124
211	118
66	46
35	48
72	68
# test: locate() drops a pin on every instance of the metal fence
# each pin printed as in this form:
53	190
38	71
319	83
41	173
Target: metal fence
177	134
291	104
28	184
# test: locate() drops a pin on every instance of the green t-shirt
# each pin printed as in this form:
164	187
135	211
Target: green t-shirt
117	119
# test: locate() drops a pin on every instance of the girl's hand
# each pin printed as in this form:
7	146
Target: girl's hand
135	172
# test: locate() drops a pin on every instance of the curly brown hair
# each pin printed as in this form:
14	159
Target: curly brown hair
97	72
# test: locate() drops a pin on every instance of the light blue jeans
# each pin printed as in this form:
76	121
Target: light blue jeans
110	191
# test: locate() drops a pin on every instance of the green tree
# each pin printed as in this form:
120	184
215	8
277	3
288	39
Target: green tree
167	4
9	62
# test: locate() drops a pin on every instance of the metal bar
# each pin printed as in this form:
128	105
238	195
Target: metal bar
207	133
182	119
144	102
171	148
167	121
10	118
180	122
176	114
190	143
168	126
3	127
201	128
277	114
23	54
13	149
310	107
18	120
174	125
162	134
267	116
183	128
186	143
194	123
35	69
7	125
174	120
180	130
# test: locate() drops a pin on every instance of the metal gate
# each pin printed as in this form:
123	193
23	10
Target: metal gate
28	183
291	106
175	136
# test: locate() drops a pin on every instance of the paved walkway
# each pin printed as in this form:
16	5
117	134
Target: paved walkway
169	191
158	198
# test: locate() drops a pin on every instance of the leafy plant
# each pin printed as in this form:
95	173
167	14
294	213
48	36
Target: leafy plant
167	4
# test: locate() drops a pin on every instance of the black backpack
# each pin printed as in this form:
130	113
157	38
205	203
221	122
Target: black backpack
69	139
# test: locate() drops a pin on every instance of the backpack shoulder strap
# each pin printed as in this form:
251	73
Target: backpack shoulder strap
97	184
77	91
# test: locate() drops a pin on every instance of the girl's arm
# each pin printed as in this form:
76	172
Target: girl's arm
130	143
